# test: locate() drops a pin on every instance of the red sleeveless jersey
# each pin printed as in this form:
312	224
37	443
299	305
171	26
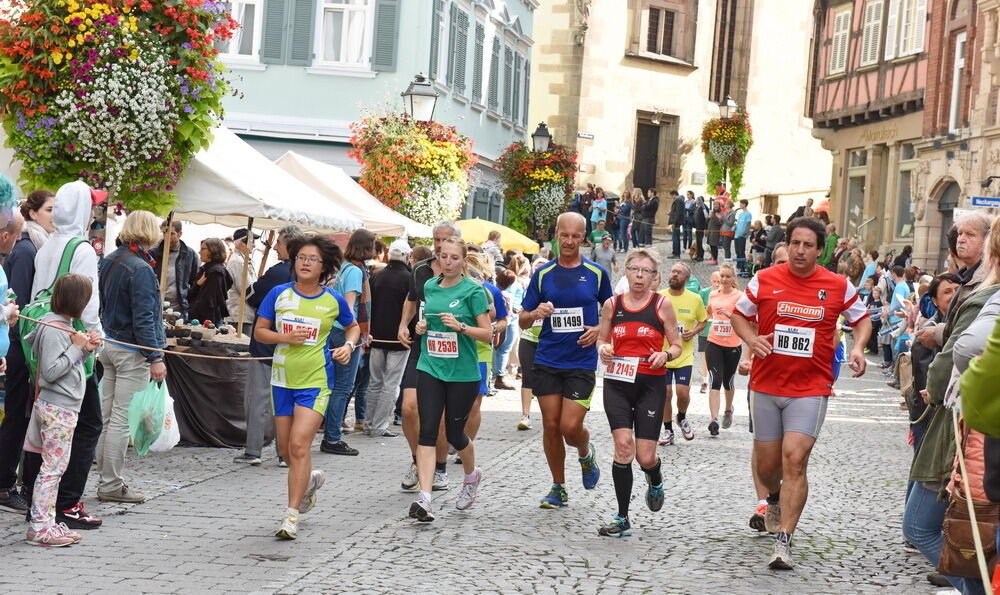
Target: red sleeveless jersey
802	315
638	333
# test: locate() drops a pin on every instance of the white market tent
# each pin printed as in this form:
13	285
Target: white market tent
334	183
231	181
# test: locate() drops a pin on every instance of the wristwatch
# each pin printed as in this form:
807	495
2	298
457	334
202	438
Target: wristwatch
352	344
462	328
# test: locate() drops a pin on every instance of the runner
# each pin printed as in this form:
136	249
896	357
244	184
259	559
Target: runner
482	267
796	306
691	319
526	348
412	310
723	351
456	315
566	295
302	372
635	327
715	282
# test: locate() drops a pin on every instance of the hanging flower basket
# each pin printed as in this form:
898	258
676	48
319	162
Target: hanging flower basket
538	184
420	169
119	94
725	143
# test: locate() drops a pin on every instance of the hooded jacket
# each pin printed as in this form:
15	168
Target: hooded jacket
185	264
61	379
71	218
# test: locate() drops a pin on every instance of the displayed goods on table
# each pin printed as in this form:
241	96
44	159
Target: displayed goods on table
195	333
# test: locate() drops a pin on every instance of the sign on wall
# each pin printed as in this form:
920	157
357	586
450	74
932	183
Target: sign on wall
985	202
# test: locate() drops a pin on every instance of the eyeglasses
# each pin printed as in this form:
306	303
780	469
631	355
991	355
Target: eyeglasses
644	271
308	259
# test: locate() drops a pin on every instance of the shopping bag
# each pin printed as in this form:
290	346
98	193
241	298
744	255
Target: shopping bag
170	434
145	416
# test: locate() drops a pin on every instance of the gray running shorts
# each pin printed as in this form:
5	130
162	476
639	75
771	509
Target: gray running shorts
774	416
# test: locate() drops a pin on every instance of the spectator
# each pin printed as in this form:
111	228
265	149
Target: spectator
905	257
677	217
774	235
728	230
838	253
506	281
182	271
257	392
875	305
492	247
714	227
208	294
871	258
599	209
742	234
604	255
649	216
624	216
637	217
689	206
823	216
800	212
242	251
758	242
132	313
587	204
701	216
832	240
595	237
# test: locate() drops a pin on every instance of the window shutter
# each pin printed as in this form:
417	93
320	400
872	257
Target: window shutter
272	42
515	112
300	49
508	79
527	91
653	31
386	35
460	53
436	19
891	28
872	29
452	42
841	36
920	26
477	64
494	92
866	34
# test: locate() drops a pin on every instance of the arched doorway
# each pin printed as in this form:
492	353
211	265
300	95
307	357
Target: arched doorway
950	197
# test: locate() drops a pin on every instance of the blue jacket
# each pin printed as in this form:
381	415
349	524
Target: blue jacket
20	268
130	301
279	274
743	221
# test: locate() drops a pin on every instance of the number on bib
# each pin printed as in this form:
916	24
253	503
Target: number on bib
442	344
722	329
567	320
622	368
291	322
795	341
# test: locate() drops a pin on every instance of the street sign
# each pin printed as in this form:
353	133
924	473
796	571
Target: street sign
585	135
985	201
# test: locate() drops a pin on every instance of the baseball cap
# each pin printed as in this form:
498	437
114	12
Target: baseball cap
241	234
399	249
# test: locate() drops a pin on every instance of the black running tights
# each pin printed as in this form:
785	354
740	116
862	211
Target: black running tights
454	400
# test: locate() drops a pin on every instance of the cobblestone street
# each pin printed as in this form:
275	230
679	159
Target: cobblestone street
208	524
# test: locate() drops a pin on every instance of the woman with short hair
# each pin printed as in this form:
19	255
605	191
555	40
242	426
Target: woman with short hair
208	294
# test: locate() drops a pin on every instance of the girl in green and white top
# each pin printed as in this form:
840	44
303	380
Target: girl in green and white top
456	315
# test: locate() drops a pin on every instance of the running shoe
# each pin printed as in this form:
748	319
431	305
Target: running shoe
410	481
247	459
467	497
727	419
282	462
772	518
757	520
61	527
704	387
525	423
618	527
713	428
76	517
591	472
398	420
781	559
12	501
654	496
50	536
686	430
289	528
440	481
557	498
316	480
421	511
666	438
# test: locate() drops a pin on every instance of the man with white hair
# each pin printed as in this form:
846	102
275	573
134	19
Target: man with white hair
387	362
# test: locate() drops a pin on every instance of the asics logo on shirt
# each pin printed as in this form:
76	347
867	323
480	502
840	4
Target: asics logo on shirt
453	303
793	310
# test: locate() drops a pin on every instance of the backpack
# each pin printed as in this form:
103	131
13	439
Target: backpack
42	305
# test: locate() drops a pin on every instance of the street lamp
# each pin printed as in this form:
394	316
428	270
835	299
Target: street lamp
727	107
419	99
541	139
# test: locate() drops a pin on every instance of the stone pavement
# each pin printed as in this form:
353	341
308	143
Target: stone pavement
208	524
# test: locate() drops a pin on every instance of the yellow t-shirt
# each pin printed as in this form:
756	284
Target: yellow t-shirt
689	311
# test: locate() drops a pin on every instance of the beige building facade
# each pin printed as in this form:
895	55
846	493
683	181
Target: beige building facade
631	83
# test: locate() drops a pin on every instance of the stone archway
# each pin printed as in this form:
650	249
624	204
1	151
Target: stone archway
934	218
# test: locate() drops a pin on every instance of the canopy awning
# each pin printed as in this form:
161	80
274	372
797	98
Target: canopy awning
231	181
334	183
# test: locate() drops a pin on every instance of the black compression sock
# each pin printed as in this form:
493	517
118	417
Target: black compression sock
655	476
681	415
621	473
774	498
668	426
441	467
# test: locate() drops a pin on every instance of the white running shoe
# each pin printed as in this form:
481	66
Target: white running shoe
467	497
316	480
525	423
289	528
410	480
440	481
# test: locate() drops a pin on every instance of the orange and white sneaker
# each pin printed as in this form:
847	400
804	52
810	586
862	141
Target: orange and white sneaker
757	520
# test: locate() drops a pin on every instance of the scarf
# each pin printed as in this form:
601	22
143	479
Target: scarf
36	233
141	252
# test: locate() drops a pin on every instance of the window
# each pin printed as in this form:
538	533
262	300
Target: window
907	152
660	31
345	32
957	109
494	91
439	33
458	45
904	202
245	43
905	28
840	41
477	64
858	158
508	80
872	32
515	112
731	50
527	92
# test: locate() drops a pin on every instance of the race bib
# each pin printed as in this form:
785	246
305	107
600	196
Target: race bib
291	322
442	344
567	320
722	329
795	341
622	368
681	329
420	311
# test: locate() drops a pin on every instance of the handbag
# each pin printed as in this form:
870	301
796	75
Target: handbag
964	553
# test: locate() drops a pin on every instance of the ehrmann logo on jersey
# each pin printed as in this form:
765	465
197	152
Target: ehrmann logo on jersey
793	310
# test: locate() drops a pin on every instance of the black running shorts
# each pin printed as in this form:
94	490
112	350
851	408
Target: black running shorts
637	405
526	356
574	384
410	374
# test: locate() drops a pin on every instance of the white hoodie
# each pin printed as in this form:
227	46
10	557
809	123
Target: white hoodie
71	217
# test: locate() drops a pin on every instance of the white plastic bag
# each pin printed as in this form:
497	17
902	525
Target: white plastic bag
170	435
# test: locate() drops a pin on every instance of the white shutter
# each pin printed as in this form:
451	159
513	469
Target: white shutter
841	37
872	32
920	26
891	28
